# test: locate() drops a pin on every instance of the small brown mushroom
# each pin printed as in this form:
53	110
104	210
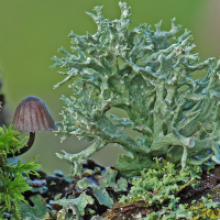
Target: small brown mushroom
32	115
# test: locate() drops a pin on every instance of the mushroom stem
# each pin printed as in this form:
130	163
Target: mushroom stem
25	148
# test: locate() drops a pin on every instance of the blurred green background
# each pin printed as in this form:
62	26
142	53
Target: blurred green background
32	31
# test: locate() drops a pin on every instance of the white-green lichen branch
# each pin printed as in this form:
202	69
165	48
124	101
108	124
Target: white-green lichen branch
78	159
143	73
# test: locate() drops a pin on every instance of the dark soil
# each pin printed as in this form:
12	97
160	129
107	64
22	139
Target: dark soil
49	187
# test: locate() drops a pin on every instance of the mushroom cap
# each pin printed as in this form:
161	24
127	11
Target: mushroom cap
32	115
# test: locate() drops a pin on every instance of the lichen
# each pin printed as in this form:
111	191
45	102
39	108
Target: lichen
159	188
95	191
148	74
36	212
205	209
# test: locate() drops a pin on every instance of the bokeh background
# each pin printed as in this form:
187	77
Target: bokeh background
32	31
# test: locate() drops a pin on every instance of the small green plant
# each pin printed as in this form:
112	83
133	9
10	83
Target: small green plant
12	180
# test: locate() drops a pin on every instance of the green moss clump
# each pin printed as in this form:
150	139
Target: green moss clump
12	180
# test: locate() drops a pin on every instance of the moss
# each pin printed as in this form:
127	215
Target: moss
12	180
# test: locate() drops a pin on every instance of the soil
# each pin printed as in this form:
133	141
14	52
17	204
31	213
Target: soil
50	187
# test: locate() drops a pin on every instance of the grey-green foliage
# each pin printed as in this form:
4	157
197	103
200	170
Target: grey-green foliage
77	205
103	189
37	212
148	74
108	180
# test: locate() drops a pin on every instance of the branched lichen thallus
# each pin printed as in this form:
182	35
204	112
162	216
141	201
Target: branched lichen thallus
143	73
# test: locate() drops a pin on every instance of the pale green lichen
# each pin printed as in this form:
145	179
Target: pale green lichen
205	209
76	204
148	74
159	188
36	212
107	181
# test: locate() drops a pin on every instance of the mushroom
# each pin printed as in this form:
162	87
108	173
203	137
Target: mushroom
32	115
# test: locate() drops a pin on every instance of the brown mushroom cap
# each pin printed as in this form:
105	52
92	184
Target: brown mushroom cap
33	115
